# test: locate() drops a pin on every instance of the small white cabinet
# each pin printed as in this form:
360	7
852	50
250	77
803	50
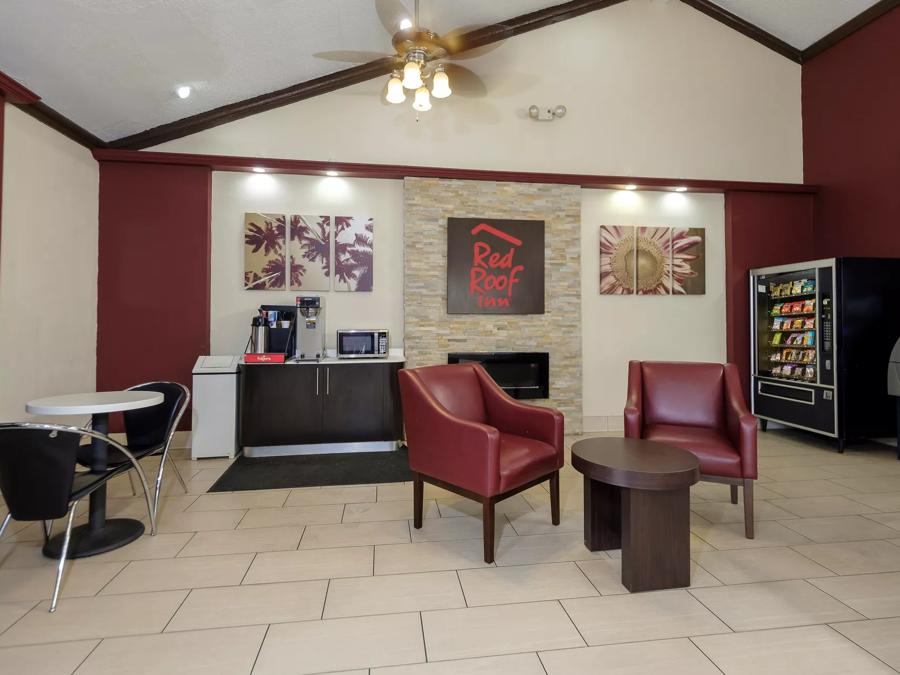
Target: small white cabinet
215	401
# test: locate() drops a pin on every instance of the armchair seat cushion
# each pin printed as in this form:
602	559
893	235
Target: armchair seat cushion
714	450
523	459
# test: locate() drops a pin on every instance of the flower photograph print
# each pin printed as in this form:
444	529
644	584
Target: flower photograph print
309	246
264	252
653	254
616	260
688	261
353	253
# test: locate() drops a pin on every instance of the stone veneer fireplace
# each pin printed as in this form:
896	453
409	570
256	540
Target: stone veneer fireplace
431	334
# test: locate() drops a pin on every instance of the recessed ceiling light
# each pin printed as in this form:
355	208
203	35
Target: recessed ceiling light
331	173
631	187
183	91
258	169
405	24
681	188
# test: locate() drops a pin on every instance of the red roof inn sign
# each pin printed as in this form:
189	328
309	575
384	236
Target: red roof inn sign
495	266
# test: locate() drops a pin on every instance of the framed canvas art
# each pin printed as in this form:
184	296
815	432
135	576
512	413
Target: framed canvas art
264	252
354	251
309	246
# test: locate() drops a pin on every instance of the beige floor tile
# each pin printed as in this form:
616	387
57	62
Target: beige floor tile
774	604
250	605
388	510
388	594
726	512
877	637
452	507
544	548
886	501
606	576
539	522
341	644
466	527
199	521
741	566
325	563
719	492
512	664
808	472
768	533
390	491
355	534
243	541
839	528
177	573
292	516
871	483
333	495
641	616
524	583
429	556
673	657
96	617
44	660
807	488
248	499
876	596
148	548
36	583
569	500
815	507
788	651
10	612
892	520
229	651
503	629
857	557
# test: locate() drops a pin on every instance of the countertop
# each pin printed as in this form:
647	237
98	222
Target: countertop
394	356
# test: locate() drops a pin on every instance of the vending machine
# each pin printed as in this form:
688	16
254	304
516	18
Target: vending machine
821	340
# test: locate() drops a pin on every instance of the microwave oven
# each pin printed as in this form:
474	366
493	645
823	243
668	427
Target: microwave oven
362	344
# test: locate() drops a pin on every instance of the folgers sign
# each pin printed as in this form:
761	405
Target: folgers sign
495	266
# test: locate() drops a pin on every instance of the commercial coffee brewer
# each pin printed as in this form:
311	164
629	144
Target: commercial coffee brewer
310	328
272	330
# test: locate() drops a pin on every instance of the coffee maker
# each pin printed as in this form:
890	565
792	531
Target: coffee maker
310	327
272	330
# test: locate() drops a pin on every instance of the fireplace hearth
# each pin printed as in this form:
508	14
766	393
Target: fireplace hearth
522	375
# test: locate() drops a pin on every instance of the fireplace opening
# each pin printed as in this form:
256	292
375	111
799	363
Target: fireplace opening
519	374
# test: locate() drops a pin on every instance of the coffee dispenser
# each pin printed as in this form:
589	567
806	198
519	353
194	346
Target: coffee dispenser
272	331
310	326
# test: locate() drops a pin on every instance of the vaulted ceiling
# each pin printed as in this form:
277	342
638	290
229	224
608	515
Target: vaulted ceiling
111	66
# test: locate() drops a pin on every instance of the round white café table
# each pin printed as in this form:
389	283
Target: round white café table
99	534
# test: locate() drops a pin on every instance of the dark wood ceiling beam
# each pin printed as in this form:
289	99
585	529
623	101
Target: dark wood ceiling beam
14	92
44	113
744	27
345	78
853	25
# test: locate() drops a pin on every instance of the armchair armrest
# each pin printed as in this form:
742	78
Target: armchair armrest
740	423
634	423
446	447
513	417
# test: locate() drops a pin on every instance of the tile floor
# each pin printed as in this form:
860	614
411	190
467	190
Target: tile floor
335	580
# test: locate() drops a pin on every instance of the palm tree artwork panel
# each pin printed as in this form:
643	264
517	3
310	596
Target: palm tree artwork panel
309	246
264	252
354	239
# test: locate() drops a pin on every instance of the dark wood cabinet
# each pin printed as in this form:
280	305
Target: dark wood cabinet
295	404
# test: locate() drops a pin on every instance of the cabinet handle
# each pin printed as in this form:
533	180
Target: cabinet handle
317	381
327	381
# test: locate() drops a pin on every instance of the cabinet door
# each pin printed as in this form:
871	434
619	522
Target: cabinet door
354	403
281	404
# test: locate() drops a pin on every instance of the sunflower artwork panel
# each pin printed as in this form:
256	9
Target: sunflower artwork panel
653	260
309	246
354	241
616	260
688	261
264	252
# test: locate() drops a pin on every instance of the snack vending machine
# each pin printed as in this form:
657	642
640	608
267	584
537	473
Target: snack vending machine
821	339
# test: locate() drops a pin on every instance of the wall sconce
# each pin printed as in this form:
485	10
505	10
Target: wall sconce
546	114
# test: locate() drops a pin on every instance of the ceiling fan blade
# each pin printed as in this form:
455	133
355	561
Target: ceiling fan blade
391	13
350	56
456	40
464	82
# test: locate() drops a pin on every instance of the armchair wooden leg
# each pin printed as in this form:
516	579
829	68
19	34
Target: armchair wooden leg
748	508
554	498
734	494
487	516
418	501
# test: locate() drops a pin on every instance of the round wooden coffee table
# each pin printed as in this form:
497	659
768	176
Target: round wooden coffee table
636	496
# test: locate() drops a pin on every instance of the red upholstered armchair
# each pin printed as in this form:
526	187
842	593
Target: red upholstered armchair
698	407
467	435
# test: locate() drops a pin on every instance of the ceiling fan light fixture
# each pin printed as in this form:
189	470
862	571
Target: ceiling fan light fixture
441	84
406	24
422	101
412	75
395	92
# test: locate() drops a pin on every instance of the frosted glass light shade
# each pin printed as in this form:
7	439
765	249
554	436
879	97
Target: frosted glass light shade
395	92
441	86
422	101
412	75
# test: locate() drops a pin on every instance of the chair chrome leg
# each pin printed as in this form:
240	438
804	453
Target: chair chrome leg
131	481
177	472
62	556
5	523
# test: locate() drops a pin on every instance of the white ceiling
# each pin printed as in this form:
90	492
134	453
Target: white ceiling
112	66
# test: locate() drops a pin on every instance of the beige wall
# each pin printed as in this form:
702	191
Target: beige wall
653	88
48	265
617	329
237	193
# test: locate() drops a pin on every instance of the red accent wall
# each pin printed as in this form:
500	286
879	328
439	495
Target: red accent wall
154	273
851	141
761	229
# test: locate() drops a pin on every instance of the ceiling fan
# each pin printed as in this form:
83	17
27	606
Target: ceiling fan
420	55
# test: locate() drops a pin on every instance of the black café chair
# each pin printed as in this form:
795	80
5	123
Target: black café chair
149	431
39	482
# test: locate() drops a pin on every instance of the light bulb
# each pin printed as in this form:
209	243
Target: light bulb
681	188
395	91
406	24
441	86
412	75
422	101
632	186
183	91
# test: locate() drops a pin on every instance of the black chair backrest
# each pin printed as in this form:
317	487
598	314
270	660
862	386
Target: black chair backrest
150	427
36	471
